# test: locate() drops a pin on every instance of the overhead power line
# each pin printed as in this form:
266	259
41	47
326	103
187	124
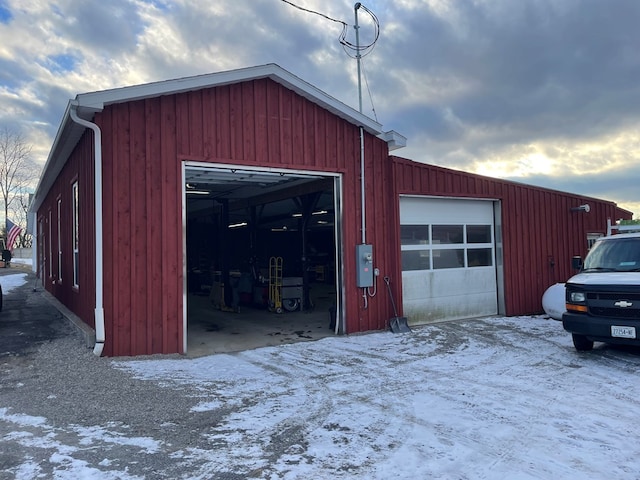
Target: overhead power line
361	50
314	12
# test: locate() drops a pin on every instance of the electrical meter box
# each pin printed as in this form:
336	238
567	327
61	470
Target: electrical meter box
364	265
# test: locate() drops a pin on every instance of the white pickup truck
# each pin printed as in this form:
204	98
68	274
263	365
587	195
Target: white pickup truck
603	299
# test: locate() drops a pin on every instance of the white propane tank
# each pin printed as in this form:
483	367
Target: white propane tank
553	301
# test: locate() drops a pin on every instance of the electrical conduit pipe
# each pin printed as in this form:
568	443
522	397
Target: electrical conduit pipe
99	310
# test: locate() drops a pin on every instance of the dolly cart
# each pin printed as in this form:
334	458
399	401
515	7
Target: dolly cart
275	284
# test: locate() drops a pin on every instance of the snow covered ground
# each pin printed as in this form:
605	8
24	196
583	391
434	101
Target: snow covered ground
500	398
9	282
496	398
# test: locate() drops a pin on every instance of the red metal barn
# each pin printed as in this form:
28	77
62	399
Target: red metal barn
155	193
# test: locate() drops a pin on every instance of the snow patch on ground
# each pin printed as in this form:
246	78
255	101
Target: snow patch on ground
14	280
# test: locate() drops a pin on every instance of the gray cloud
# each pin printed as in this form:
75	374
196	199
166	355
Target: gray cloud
108	27
621	186
537	67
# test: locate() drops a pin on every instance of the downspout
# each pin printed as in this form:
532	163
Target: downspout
99	310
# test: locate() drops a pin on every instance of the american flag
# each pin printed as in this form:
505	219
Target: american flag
13	231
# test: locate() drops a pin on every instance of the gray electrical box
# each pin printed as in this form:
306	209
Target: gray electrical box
364	265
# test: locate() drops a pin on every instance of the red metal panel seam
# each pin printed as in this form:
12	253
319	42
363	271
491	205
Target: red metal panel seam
223	149
140	221
248	121
172	256
150	278
122	227
167	138
261	121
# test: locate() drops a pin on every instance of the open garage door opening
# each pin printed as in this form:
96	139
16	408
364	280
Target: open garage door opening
261	252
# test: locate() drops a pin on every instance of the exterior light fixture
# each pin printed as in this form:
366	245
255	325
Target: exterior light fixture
582	208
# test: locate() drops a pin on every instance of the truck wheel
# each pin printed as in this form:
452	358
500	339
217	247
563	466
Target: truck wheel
582	343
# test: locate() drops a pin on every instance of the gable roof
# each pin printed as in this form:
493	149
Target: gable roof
87	104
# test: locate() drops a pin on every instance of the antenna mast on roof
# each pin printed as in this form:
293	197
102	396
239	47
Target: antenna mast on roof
358	55
356	7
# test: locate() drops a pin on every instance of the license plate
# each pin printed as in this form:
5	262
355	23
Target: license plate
623	332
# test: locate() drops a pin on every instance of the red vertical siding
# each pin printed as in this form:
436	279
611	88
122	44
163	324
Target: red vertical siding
142	225
80	168
138	229
257	123
540	232
170	255
153	228
119	225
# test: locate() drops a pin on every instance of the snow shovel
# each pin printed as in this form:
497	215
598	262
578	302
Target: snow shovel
396	324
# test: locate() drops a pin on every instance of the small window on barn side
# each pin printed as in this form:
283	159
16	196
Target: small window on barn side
41	242
50	253
59	240
591	239
75	232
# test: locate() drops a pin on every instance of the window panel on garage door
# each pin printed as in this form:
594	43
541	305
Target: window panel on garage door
427	247
415	256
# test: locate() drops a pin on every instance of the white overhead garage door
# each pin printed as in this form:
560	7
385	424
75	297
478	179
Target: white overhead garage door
448	259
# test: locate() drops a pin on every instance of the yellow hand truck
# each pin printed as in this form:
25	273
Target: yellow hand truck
275	284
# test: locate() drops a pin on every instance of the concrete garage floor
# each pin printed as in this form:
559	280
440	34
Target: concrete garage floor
210	330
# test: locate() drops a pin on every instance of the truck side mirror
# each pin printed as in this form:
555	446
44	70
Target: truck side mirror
576	263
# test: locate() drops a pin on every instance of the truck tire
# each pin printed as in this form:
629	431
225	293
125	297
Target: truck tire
582	343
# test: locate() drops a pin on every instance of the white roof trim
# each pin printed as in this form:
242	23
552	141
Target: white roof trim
393	139
96	101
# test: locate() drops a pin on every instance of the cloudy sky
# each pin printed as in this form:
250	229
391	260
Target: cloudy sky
545	92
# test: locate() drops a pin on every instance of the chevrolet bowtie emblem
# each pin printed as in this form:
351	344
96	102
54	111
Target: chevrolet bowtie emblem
623	304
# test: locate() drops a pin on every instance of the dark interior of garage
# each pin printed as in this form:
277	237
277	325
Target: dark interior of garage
261	254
